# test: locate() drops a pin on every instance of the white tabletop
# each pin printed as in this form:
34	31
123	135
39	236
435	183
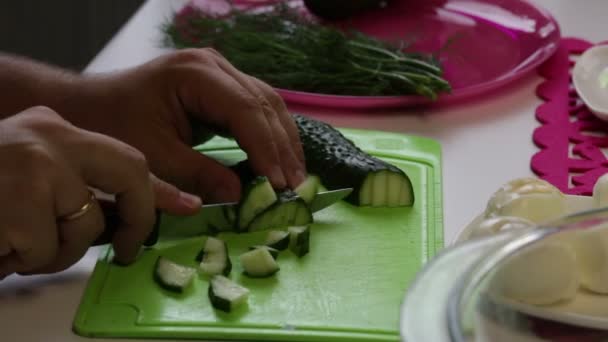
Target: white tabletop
42	308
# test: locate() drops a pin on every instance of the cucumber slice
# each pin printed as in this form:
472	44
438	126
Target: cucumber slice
225	294
258	196
299	237
289	209
214	258
341	164
308	189
277	239
273	251
173	276
259	263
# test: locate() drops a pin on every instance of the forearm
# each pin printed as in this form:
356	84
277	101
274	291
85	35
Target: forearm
26	83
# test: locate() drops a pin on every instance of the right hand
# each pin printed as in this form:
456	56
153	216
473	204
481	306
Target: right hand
47	166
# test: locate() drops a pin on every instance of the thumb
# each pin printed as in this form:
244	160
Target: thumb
172	200
204	176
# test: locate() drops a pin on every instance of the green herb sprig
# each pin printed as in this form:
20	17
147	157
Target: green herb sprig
288	51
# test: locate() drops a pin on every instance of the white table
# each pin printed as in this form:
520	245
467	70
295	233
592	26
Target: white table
41	308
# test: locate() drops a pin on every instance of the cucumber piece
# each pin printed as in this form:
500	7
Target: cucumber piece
289	209
341	164
225	294
277	239
299	237
214	258
257	196
273	251
308	189
259	263
171	275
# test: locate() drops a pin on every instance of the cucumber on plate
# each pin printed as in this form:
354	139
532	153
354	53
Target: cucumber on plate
288	209
171	275
308	189
259	263
214	258
341	164
278	239
257	196
225	294
299	237
273	251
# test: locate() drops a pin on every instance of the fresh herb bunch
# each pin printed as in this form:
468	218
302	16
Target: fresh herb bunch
291	52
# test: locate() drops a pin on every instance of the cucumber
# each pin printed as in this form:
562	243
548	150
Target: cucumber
225	294
299	237
341	164
273	251
257	196
171	275
277	239
289	209
214	258
308	189
259	263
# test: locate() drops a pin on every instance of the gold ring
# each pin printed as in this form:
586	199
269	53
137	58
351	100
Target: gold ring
80	212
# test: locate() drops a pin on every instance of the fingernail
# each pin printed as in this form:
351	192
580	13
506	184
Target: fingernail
277	177
189	200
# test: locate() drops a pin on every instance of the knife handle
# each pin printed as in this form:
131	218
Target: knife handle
112	222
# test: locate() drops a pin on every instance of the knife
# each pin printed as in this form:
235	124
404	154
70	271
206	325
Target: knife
211	218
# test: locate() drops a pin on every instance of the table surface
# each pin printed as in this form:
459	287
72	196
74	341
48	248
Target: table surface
41	308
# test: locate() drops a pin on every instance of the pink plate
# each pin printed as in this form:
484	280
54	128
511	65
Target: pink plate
492	42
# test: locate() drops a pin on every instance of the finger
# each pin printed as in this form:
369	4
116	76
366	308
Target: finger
241	114
285	117
292	168
170	199
30	230
214	181
119	169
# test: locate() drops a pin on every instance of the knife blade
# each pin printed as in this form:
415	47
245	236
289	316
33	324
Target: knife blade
211	218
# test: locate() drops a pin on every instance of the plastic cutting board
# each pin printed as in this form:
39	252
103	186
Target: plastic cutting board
348	288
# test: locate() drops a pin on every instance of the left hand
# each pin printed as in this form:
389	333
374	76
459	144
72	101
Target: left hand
150	108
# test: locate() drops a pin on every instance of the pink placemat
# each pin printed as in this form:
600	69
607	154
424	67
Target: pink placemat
570	137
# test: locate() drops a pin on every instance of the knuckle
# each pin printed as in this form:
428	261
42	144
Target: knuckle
138	162
42	110
194	55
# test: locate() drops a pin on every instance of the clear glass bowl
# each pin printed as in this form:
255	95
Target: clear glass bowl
464	295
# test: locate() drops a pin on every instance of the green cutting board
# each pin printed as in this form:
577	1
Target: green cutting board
348	288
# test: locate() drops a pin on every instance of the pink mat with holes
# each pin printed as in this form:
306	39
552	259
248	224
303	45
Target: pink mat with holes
570	137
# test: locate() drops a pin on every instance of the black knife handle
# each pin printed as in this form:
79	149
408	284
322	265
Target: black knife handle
112	221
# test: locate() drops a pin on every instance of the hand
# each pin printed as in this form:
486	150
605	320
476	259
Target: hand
47	166
151	106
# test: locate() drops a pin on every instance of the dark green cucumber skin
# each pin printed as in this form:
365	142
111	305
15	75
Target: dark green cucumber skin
283	197
273	251
201	256
336	159
280	245
218	302
302	244
160	281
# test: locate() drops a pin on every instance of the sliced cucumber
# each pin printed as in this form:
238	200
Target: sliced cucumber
273	251
341	164
173	276
289	209
214	258
259	263
277	239
258	196
299	240
225	294
309	188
